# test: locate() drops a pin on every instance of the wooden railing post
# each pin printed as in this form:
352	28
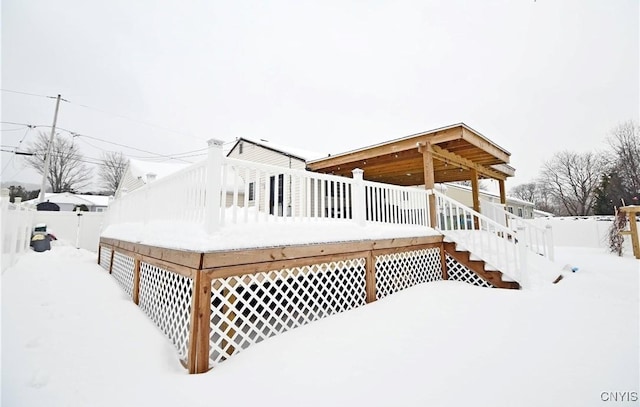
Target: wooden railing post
198	353
359	202
443	261
214	186
113	252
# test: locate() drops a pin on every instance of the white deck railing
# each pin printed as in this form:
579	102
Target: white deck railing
483	237
538	239
222	190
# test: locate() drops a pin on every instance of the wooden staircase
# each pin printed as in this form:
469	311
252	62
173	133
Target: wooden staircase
479	267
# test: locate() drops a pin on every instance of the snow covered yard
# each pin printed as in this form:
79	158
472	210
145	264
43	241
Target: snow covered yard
71	337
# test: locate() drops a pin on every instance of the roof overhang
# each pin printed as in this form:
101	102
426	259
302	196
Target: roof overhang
457	151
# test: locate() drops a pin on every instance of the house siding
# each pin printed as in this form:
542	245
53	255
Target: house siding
248	151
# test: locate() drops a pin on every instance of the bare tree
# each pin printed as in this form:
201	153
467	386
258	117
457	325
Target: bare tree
67	172
625	143
571	179
112	169
526	192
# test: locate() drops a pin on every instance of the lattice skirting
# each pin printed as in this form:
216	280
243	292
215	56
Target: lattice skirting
105	257
250	308
460	272
397	271
122	271
166	298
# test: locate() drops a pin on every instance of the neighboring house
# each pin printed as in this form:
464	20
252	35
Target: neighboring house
138	173
68	201
266	152
462	194
537	213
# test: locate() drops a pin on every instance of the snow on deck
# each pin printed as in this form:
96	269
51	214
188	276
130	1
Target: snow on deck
192	236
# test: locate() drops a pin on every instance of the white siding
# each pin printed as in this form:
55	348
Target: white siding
259	154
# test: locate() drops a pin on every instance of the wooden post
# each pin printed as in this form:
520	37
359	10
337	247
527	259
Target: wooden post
633	226
99	252
443	260
203	309
503	193
475	192
113	252
429	180
136	280
370	277
194	364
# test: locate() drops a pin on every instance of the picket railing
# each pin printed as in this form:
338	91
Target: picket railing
16	229
538	239
249	192
488	240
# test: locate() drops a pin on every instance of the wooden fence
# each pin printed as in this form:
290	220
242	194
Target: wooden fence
213	305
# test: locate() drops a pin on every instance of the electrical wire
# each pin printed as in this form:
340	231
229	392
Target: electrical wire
27	93
133	120
16	149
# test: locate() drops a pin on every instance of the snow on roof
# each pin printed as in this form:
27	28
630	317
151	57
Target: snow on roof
140	169
302	154
70	198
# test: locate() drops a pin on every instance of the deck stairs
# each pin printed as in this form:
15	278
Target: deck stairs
512	253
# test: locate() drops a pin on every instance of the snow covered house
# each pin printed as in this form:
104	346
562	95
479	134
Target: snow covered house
235	264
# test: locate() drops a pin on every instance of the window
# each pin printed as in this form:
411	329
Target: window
520	212
252	191
510	209
240	145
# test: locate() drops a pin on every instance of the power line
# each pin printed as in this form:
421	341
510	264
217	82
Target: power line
134	120
27	93
16	150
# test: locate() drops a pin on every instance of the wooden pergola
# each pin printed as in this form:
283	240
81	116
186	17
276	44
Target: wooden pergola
447	154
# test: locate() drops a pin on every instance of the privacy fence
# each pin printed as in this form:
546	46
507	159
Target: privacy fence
213	305
16	229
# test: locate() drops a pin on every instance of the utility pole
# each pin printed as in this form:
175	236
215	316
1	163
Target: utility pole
47	159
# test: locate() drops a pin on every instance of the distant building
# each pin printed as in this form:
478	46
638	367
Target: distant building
68	201
462	194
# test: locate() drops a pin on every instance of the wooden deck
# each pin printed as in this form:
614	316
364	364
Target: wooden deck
213	305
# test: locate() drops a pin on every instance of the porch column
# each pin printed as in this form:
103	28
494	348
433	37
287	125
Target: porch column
429	180
503	193
475	194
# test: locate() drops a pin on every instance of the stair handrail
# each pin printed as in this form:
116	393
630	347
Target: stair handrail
539	239
492	242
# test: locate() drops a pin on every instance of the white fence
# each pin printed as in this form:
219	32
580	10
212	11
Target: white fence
78	229
16	230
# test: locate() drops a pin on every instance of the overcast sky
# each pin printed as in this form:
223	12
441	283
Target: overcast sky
535	77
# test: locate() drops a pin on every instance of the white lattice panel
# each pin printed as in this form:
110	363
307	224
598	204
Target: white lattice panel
460	272
397	271
248	309
166	298
122	271
105	257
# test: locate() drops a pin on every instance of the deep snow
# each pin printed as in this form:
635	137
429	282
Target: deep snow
71	337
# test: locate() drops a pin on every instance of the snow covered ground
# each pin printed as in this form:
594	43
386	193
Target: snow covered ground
70	337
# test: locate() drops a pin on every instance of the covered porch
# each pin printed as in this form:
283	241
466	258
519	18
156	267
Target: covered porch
447	154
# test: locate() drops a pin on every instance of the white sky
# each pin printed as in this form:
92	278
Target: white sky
534	76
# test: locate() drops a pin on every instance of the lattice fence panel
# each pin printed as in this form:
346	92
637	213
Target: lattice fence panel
105	257
166	298
460	272
248	309
397	271
122	271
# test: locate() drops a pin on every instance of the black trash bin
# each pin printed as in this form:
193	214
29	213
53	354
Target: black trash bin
40	241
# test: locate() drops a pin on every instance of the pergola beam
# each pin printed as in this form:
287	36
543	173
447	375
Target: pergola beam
467	164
